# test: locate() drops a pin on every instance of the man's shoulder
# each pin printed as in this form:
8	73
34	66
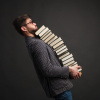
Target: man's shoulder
33	40
36	42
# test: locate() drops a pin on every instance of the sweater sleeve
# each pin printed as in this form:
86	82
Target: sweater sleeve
43	64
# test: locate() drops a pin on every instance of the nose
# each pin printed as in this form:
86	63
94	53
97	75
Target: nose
34	23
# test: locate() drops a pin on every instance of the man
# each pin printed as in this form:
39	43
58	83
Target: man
54	78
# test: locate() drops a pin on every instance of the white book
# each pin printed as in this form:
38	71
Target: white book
61	49
66	54
58	47
49	38
68	64
66	61
74	64
67	57
80	70
46	36
40	29
59	53
55	37
58	44
56	41
44	31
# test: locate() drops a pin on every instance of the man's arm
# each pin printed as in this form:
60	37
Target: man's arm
42	61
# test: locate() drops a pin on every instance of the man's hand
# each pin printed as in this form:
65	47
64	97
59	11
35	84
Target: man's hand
74	73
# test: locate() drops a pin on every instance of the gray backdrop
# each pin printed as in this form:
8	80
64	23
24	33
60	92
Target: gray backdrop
76	22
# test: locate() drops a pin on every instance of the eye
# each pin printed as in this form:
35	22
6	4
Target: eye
31	22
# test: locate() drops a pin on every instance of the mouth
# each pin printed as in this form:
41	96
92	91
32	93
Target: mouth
36	27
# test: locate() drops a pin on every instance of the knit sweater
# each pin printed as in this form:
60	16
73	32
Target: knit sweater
53	77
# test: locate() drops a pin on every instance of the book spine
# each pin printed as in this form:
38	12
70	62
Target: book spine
70	63
60	49
59	53
66	54
44	31
56	41
68	60
58	44
49	38
67	57
44	38
54	38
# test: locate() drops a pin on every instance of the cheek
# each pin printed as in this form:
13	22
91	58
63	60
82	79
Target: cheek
32	27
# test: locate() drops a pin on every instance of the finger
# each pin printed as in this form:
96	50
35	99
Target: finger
79	67
75	78
78	76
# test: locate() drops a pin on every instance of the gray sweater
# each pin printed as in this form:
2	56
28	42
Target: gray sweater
53	77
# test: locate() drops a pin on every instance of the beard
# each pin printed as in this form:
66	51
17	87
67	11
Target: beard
33	31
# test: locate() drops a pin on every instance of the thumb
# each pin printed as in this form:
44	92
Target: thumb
79	67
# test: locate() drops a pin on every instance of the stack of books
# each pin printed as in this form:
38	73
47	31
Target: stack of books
58	46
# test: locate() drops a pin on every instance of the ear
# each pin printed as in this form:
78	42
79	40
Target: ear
23	28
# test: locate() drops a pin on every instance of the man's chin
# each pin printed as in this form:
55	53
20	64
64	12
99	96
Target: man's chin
33	32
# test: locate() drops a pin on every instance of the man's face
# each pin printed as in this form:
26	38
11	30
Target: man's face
31	26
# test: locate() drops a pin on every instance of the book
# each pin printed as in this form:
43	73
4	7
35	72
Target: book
63	47
59	47
74	64
44	31
68	60
56	41
40	29
49	38
66	54
59	53
58	44
80	70
44	34
67	57
54	38
70	63
44	38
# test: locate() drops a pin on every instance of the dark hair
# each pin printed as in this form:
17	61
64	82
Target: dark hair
19	22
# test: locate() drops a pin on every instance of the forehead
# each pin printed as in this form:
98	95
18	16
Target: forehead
28	20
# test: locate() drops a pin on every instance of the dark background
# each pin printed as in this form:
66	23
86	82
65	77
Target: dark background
75	21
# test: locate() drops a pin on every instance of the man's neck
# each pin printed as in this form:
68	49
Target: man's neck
29	34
